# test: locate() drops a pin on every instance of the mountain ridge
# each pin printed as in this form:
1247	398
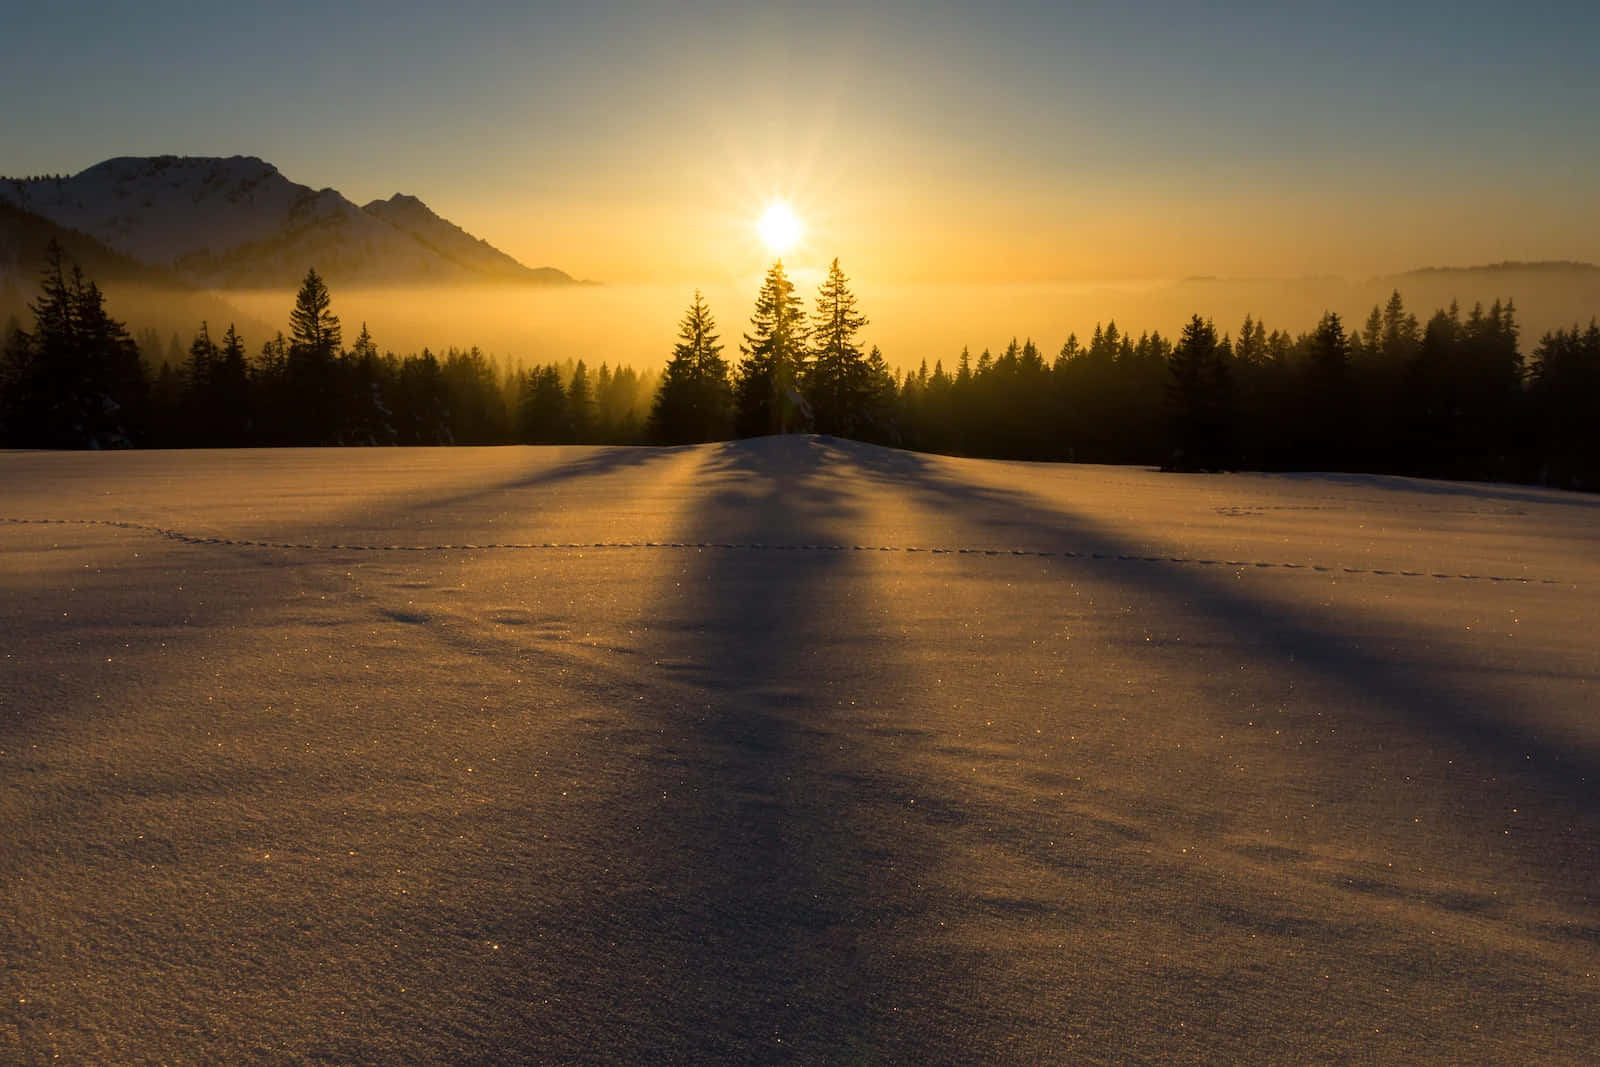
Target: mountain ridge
237	222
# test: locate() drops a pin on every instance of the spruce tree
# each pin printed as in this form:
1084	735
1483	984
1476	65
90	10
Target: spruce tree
197	412
542	408
365	417
695	401
1198	398
581	405
767	396
232	381
313	327
76	381
838	383
312	373
1327	398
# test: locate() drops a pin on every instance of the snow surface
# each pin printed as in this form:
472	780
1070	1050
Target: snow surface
790	750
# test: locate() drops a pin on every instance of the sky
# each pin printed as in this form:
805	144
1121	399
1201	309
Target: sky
921	143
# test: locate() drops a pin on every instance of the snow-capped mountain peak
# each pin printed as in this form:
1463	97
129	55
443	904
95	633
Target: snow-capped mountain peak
238	222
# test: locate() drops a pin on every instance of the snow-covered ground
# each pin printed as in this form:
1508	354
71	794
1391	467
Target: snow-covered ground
790	750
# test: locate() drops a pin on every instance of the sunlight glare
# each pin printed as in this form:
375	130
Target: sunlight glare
779	229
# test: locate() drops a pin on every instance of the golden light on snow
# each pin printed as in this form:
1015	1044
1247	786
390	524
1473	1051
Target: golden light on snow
779	229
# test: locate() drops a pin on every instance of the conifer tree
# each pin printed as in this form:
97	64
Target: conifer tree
365	416
695	401
313	327
767	395
312	374
838	383
201	366
542	408
1327	397
76	381
878	423
232	381
580	404
1198	397
199	420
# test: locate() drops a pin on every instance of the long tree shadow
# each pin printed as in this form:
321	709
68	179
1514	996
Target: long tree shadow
769	855
417	514
1485	491
1565	772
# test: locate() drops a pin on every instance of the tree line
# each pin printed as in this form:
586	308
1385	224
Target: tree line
1449	397
78	380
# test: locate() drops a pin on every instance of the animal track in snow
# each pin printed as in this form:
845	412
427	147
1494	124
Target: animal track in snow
749	546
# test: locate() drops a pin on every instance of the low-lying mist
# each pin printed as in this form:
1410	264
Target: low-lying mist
637	325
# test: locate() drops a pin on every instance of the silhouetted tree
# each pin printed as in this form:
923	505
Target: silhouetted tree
1198	397
477	405
837	381
311	374
422	415
76	381
767	395
1326	396
542	413
580	404
695	401
366	415
231	390
1564	392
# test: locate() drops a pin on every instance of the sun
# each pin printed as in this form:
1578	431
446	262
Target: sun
779	229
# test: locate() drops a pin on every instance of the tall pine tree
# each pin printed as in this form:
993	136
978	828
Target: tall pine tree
312	371
767	396
695	401
1198	397
838	383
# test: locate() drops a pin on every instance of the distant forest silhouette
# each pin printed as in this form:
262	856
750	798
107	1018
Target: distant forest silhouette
1450	397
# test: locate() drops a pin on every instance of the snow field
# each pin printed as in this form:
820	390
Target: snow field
1064	789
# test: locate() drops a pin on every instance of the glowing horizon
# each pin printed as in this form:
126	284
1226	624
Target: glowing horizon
635	146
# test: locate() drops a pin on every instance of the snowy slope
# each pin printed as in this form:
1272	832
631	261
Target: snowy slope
450	241
790	750
238	222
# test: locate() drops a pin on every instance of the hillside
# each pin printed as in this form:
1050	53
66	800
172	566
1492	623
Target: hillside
238	223
145	297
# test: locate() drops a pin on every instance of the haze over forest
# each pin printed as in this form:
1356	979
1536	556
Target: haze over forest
1028	172
229	239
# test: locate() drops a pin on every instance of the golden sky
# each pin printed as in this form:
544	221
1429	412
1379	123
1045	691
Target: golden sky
930	142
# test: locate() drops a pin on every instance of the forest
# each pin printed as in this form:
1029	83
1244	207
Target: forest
1450	396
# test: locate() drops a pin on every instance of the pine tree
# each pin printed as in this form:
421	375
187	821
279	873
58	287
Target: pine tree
76	381
542	408
313	327
838	383
1198	397
878	423
580	404
232	382
197	414
695	401
1327	397
312	374
767	395
365	416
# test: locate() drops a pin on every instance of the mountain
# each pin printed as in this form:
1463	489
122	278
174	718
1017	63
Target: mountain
237	223
451	241
147	298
